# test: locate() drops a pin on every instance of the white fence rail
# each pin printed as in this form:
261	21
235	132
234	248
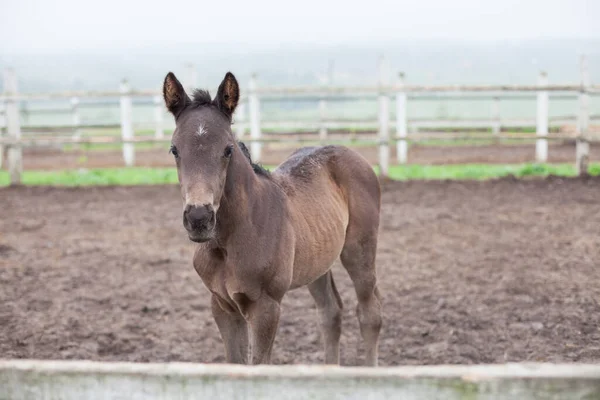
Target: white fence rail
31	379
404	131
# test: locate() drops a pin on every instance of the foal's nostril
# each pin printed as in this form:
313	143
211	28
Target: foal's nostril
198	217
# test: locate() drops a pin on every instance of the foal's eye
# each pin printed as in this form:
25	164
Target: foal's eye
228	151
173	151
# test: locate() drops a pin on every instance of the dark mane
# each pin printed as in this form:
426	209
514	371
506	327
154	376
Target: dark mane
201	98
258	169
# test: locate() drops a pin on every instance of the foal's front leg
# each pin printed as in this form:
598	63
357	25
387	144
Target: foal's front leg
263	317
234	331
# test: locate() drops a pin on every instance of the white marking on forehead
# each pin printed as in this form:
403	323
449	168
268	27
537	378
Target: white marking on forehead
201	130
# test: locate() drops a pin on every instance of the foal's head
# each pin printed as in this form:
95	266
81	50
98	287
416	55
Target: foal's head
203	146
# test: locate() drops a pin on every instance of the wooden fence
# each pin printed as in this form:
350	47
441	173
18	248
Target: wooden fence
384	92
35	379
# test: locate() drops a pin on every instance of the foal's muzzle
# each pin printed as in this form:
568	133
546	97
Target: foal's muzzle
199	221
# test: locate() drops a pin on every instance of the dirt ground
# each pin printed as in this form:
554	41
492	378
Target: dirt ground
470	272
45	159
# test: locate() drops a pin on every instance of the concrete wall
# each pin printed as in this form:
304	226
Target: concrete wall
30	379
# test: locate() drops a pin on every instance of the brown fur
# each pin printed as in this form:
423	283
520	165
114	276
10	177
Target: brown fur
264	234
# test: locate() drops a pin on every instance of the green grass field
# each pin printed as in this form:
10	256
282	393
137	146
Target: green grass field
150	176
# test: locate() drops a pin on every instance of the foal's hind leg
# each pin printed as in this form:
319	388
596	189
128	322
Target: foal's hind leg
329	308
358	257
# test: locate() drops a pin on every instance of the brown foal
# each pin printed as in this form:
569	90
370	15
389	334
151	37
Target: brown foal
261	234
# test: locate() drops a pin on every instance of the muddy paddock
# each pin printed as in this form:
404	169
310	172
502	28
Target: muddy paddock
470	272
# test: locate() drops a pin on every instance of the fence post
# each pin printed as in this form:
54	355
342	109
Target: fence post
158	117
384	118
322	115
192	77
496	124
323	102
401	122
255	134
75	117
13	126
2	126
240	120
127	123
583	146
541	144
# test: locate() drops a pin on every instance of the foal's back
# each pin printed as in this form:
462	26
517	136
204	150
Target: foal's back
334	202
334	197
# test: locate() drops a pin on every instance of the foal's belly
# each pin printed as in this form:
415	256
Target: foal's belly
320	237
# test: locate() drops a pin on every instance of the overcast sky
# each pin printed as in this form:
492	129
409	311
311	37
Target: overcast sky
50	25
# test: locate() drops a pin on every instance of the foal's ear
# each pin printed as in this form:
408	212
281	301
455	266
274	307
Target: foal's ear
228	95
175	97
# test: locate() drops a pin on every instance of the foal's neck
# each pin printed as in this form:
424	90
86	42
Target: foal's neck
242	189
